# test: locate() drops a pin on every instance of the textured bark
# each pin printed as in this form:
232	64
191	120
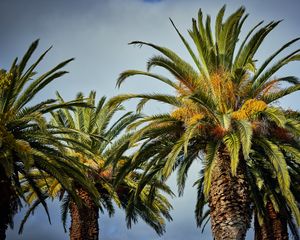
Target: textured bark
275	229
229	201
84	218
4	208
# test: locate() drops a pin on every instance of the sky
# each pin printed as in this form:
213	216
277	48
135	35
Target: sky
97	33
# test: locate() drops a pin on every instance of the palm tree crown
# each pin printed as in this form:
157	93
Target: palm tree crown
27	141
94	140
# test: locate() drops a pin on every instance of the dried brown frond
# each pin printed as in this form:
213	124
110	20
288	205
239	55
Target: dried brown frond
271	87
218	132
183	90
189	82
256	125
245	85
282	134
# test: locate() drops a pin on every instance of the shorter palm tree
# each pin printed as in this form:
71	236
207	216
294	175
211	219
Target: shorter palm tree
101	141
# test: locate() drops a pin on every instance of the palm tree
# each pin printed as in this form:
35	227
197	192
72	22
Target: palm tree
223	112
277	210
26	140
101	141
272	214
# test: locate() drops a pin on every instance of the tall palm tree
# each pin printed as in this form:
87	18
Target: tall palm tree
26	140
223	112
105	141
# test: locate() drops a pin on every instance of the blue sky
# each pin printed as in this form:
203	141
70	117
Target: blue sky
96	33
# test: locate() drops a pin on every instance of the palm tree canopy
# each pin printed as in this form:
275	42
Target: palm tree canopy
27	141
94	140
222	101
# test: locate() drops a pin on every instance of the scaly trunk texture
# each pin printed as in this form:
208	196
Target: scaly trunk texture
4	208
275	229
84	218
8	206
229	201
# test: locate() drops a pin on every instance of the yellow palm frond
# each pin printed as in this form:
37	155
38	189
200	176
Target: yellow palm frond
249	108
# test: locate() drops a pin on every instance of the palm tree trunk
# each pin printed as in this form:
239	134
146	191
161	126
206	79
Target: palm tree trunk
8	204
229	201
275	229
4	208
84	218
